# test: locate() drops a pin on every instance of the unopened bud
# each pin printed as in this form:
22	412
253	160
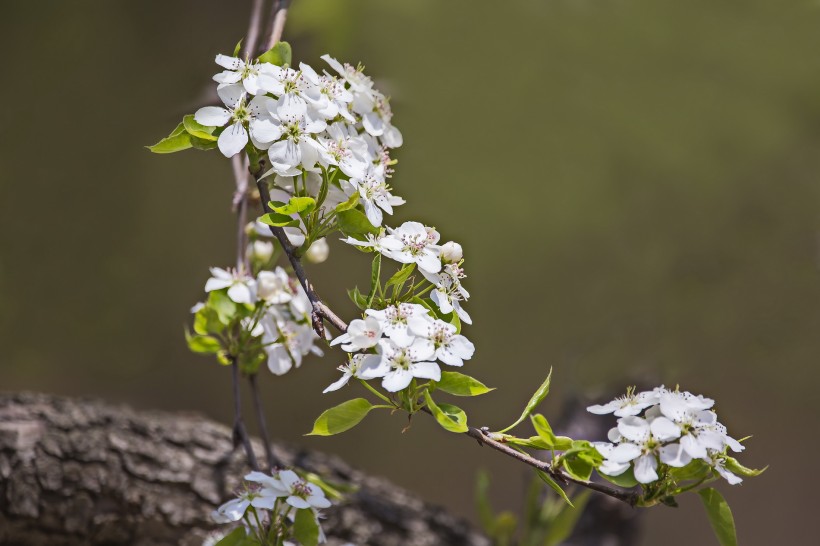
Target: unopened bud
261	250
318	251
451	252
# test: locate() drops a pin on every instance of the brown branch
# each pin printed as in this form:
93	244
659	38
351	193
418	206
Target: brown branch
239	430
279	15
262	424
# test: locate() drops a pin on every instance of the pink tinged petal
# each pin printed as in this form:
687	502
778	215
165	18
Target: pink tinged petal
232	140
341	382
623	453
230	94
664	430
646	469
693	447
634	428
426	370
212	116
297	502
231	63
675	455
397	380
279	360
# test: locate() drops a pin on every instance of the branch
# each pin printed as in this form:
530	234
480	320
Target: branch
279	14
239	430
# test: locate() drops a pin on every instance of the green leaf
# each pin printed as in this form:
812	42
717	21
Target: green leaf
202	344
375	279
349	204
234	538
226	309
695	470
341	418
206	321
720	516
536	399
544	430
195	129
305	528
278	220
482	500
454	419
177	141
578	468
461	385
561	527
280	54
354	222
237	49
554	485
400	277
202	144
357	298
296	205
735	467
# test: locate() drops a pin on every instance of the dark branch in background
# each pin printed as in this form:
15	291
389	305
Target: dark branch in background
239	431
262	424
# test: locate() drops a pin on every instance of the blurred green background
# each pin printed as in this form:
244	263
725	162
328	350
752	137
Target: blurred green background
634	182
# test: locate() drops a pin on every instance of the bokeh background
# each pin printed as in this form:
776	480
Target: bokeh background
635	183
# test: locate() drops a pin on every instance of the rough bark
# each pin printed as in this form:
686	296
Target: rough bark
85	472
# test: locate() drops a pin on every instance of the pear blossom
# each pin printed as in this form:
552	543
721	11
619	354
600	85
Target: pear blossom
327	95
299	147
360	335
253	117
381	243
341	145
449	292
450	348
274	286
286	343
301	493
417	245
451	252
261	251
374	194
398	321
234	510
631	404
399	365
241	287
360	365
318	251
246	72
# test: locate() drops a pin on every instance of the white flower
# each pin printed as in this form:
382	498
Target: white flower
382	243
449	347
396	321
630	404
449	292
301	493
451	252
360	335
376	115
374	194
235	509
241	71
341	145
399	365
286	343
299	147
327	95
318	251
284	186
274	286
254	116
417	245
359	364
241	288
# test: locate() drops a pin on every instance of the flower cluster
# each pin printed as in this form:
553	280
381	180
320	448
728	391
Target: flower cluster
307	122
406	341
274	314
267	499
676	429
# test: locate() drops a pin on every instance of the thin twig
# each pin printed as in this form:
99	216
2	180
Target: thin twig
279	14
262	424
254	28
239	430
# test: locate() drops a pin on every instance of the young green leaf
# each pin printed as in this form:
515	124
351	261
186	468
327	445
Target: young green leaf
375	279
454	420
341	418
561	527
354	222
720	516
237	49
536	399
554	485
234	538
202	344
544	430
195	129
280	54
735	467
461	385
177	141
296	205
349	204
305	528
278	220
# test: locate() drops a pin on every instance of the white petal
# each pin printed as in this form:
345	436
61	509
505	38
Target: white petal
212	116
279	360
397	380
623	453
341	382
240	293
674	455
634	428
426	370
231	63
664	430
645	469
232	140
693	447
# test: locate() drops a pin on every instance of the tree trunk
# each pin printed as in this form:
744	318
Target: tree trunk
84	472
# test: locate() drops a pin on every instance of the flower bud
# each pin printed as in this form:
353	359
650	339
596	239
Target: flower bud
271	287
318	251
451	252
261	250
